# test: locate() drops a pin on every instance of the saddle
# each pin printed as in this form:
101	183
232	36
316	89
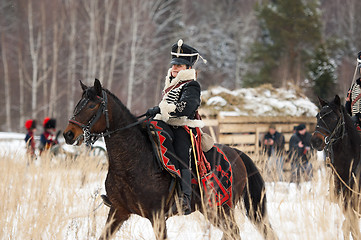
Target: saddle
212	170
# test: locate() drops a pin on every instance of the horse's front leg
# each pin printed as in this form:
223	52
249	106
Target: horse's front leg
114	221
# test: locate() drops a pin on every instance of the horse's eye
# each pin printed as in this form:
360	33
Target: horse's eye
91	106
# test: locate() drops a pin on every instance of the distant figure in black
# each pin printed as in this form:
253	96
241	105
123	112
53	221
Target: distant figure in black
300	153
273	145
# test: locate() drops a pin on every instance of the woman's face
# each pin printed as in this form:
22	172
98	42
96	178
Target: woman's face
176	68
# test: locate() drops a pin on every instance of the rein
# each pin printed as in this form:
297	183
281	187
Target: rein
91	138
328	162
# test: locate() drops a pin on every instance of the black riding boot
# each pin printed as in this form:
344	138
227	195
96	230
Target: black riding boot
186	185
185	199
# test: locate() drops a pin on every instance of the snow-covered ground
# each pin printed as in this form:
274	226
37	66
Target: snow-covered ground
303	212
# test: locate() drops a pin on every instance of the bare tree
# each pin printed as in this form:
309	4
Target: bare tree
92	11
108	5
34	45
113	53
6	83
71	7
21	88
44	55
53	85
133	50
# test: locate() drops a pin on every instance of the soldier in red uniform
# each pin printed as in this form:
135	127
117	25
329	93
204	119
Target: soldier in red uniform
48	137
30	126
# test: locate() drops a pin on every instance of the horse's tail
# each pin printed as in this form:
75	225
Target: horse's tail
254	195
255	199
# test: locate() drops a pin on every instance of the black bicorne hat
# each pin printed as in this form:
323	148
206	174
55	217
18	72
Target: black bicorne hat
183	54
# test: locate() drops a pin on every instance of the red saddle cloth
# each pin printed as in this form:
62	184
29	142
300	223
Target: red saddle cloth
217	182
214	169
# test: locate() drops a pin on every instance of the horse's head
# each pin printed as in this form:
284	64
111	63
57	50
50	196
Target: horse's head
90	116
329	122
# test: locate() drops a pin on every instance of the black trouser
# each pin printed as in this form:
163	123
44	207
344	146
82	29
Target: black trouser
182	146
178	143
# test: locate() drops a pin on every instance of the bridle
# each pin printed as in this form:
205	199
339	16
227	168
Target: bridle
89	137
331	136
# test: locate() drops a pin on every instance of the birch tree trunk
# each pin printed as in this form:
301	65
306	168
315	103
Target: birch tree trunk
53	88
44	60
6	84
92	12
21	89
34	60
72	58
118	25
103	50
132	55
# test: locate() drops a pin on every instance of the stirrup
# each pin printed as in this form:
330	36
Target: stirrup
106	200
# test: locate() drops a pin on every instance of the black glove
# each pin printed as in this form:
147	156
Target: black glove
151	112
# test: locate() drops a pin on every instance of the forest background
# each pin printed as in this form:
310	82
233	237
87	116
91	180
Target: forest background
48	46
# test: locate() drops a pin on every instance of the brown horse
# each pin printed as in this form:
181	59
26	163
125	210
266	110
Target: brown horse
134	185
336	134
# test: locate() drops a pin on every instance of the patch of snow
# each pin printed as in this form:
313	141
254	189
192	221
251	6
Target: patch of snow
217	101
261	101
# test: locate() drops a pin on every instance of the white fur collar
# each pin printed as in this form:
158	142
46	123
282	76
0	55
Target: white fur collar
182	75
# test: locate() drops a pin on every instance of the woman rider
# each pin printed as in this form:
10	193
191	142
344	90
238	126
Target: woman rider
178	107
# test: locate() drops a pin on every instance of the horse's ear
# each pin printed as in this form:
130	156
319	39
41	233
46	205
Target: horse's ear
337	101
98	87
321	101
83	86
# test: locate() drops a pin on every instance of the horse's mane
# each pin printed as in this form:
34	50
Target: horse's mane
123	107
90	92
92	95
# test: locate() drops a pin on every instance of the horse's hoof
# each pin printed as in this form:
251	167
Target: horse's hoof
106	200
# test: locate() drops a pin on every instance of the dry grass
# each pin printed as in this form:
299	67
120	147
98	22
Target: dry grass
59	199
50	198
